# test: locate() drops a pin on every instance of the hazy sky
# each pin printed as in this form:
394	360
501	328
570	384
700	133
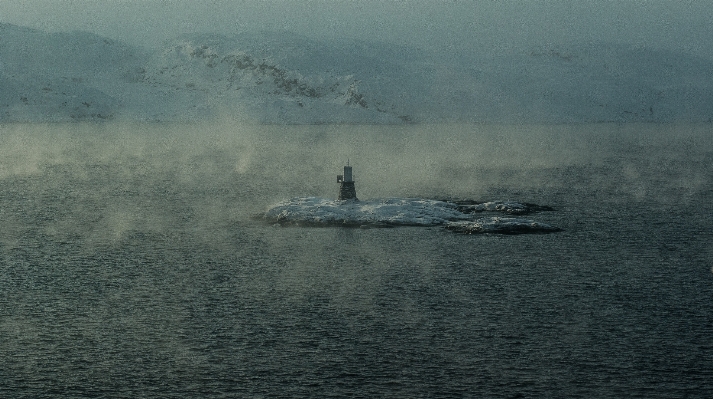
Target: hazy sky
679	24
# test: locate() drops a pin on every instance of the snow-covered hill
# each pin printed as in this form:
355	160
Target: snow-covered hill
209	75
55	77
280	77
598	82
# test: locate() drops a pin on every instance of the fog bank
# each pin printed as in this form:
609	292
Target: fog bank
100	182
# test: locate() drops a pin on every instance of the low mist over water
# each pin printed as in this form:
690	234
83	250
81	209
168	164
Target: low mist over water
134	262
535	184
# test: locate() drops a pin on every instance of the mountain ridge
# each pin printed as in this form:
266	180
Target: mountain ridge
281	77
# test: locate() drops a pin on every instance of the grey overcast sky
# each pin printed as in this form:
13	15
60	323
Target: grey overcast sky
675	24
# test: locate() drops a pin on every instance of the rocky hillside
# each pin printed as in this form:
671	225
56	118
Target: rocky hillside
279	77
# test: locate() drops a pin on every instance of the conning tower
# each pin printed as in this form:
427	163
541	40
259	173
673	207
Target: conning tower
346	184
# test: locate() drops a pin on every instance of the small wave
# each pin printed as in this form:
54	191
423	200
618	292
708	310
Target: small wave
389	212
498	225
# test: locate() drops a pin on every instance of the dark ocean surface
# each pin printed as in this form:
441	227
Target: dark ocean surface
134	263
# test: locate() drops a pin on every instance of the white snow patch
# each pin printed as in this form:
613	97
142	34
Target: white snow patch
392	211
402	212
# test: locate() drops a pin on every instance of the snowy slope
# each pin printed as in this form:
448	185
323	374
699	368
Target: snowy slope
600	82
280	77
55	77
212	72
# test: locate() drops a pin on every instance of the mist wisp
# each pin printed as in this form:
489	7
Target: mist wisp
99	182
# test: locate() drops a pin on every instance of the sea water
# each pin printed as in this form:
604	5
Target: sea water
134	262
